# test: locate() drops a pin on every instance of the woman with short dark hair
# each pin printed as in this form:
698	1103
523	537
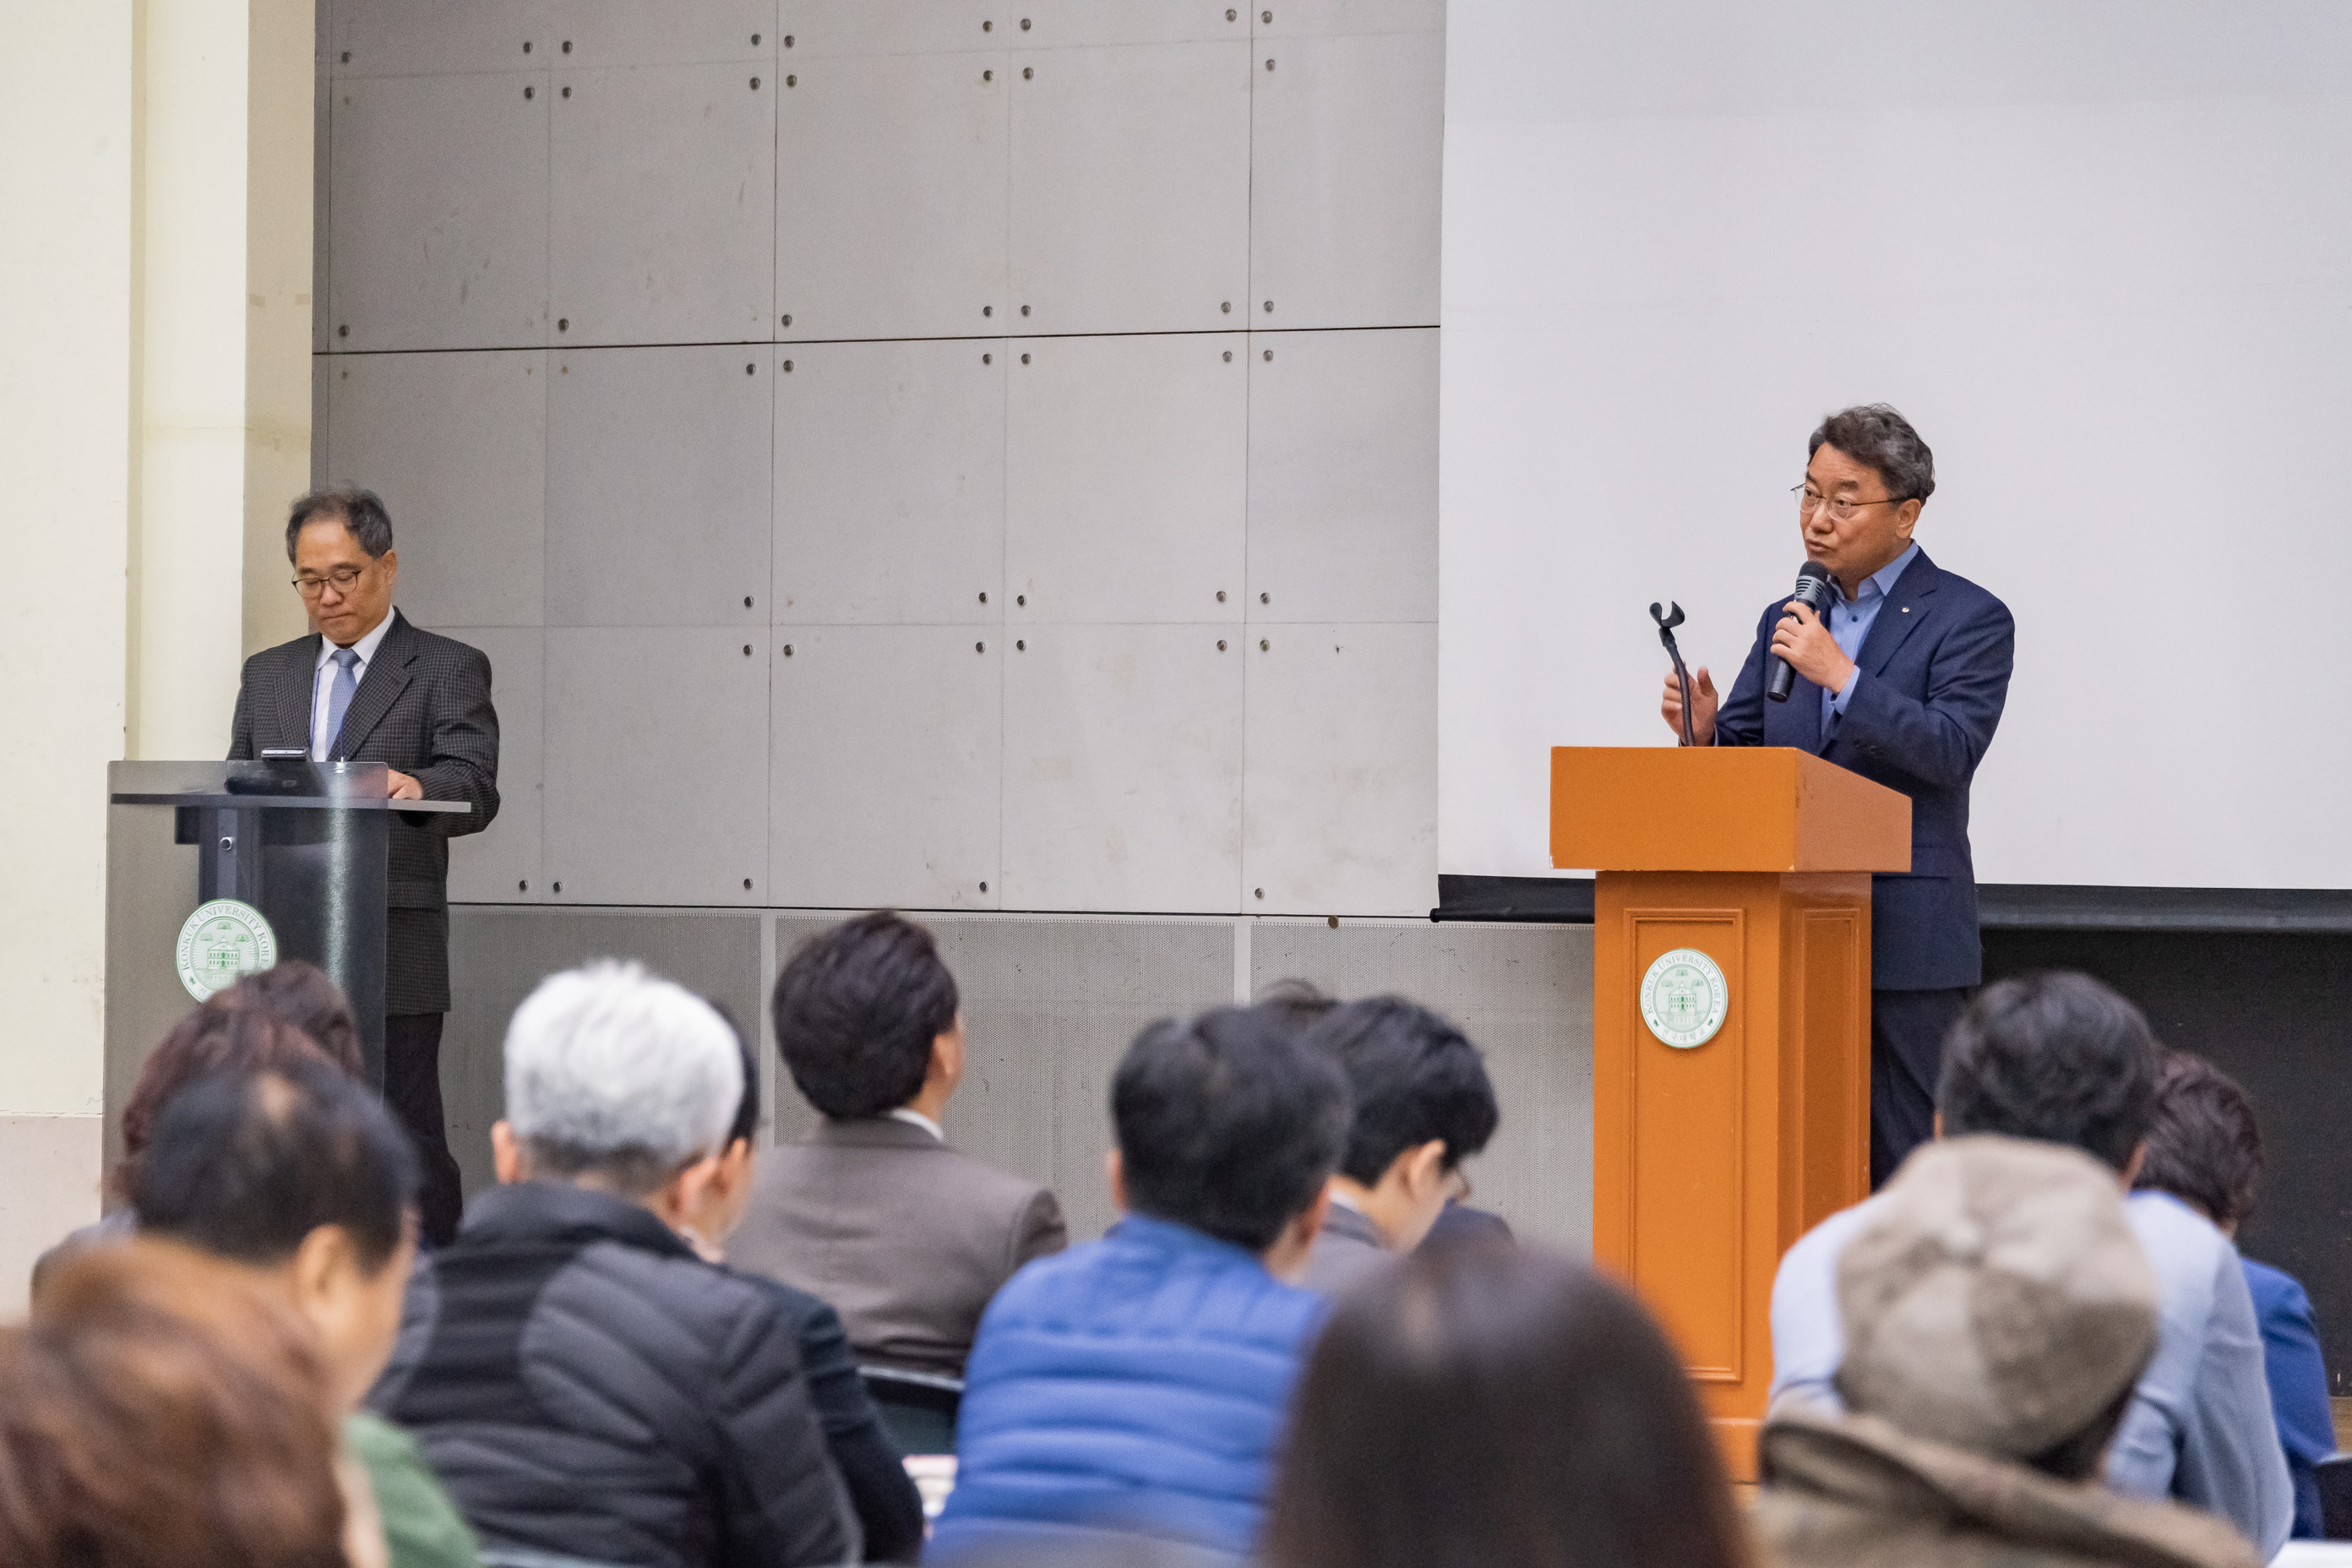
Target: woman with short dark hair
1494	1405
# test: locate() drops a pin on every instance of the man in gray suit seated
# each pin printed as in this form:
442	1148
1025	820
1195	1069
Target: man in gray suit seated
875	1214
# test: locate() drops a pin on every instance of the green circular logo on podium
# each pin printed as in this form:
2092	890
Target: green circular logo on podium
221	940
1684	998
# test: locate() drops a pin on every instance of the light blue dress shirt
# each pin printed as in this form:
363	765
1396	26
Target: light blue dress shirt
2198	1429
1850	621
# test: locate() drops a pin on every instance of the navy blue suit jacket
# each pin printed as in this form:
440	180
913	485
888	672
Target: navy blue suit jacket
1935	674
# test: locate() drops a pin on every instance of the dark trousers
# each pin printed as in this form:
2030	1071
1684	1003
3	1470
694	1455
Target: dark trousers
412	1091
1907	1055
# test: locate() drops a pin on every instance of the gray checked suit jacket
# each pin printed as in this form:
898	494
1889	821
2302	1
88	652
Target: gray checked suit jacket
423	706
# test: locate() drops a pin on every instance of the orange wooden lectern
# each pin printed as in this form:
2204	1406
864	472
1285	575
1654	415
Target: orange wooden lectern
1730	1028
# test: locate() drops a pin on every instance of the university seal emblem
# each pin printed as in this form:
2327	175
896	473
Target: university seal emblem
222	940
1684	998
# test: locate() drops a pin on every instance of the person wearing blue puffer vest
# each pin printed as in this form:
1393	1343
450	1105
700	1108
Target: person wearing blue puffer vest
1139	1386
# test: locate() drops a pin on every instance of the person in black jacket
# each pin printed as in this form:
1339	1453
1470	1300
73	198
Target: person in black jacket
887	1504
587	1386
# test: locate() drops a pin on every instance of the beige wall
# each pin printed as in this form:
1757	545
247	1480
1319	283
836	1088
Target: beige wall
155	293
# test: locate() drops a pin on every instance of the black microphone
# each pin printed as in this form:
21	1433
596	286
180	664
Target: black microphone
1813	590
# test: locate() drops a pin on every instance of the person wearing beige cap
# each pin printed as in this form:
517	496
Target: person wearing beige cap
1998	1312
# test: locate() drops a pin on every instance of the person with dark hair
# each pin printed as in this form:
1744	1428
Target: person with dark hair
297	1178
1423	1105
587	1384
887	1504
1498	1404
1999	1311
1137	1385
2060	1059
152	1412
2205	1149
874	1212
303	995
1902	680
367	685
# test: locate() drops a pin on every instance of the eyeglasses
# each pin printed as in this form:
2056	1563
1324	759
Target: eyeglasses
1811	500
344	578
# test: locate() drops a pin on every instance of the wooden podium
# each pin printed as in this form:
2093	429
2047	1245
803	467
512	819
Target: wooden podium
1712	1155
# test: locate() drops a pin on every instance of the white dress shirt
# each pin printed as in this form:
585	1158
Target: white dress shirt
322	681
916	1119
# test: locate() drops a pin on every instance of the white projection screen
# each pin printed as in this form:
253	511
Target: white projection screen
2099	253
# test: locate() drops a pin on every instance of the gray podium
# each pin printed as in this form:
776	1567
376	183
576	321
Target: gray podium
301	843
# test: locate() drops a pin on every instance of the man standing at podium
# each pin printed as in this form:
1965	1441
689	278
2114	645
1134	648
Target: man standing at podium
367	686
1903	682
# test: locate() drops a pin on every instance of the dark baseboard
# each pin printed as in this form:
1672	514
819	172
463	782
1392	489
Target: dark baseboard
1539	900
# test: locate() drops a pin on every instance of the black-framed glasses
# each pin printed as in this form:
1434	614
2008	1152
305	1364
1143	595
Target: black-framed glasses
344	578
1811	500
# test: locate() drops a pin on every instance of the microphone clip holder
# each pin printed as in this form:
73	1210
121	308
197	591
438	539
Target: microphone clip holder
1668	619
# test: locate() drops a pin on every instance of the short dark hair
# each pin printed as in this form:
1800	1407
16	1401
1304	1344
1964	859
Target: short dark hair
303	995
361	511
246	1164
2057	1057
1874	434
1493	1403
1228	1122
1413	1078
856	1010
230	1032
2204	1144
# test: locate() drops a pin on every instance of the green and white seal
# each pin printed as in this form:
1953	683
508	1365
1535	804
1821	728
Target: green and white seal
1684	998
222	940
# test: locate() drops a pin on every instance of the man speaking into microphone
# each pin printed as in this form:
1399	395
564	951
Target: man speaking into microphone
1902	681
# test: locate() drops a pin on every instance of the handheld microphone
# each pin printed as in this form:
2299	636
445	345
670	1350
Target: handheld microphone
1813	589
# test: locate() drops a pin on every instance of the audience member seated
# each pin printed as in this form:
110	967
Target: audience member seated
135	1433
586	1385
1137	1385
887	1504
2206	1148
299	1181
1423	1105
2060	1059
1997	1311
1498	1406
875	1213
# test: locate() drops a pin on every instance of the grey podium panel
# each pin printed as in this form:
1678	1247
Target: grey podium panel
886	768
597	33
1524	995
1125	477
501	864
1070	24
1122	769
1347	141
906	152
439	212
1343	477
824	28
663	204
1129	198
434	38
657	766
456	444
657	486
1339	787
890	482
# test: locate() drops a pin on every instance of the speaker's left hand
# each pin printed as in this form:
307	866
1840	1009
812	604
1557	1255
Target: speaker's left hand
398	785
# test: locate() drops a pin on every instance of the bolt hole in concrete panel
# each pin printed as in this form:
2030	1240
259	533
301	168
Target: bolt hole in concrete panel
1320	18
659	473
1129	196
1343	478
889	485
433	37
456	444
674	816
662	217
1088	24
1340	784
438	212
828	28
485	866
631	33
1125	479
1122	771
907	153
1346	142
886	768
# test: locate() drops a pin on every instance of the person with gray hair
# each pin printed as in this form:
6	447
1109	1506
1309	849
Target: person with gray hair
572	1331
